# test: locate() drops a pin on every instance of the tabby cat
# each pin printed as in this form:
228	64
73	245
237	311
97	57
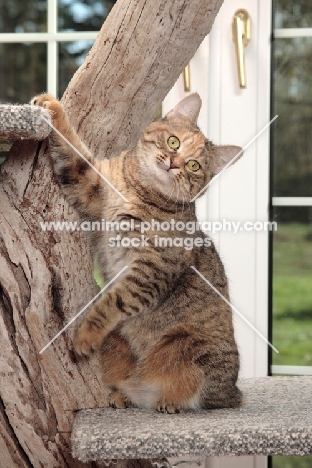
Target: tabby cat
165	338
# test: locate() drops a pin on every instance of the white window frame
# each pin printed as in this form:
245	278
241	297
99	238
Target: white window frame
52	38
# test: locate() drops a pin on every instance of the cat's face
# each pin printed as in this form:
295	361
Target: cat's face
178	159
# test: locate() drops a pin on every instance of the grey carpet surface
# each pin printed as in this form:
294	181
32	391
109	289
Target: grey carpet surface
275	419
23	122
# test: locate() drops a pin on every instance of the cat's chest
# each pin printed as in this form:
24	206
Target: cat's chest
117	210
114	246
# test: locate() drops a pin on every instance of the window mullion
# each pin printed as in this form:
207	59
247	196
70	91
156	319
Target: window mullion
52	52
292	201
286	33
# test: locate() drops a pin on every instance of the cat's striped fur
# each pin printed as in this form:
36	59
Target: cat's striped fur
166	338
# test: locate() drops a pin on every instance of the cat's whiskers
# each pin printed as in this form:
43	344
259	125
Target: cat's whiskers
172	191
180	188
177	197
182	193
186	192
172	187
184	197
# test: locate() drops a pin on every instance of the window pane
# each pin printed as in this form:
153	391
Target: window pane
71	56
292	131
292	286
290	14
22	71
20	16
83	15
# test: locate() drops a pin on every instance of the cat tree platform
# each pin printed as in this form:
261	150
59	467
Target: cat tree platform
276	419
22	122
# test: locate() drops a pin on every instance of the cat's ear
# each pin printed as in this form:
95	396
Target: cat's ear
188	108
224	154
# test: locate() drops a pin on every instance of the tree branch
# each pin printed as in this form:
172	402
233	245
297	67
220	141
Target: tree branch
137	57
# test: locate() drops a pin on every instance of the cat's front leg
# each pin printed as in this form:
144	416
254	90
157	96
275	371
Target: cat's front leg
60	119
99	322
63	131
78	172
107	312
141	290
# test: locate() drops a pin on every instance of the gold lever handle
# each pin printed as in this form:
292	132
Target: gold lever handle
187	78
241	34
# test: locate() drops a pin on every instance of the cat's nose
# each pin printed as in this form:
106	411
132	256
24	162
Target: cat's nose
174	164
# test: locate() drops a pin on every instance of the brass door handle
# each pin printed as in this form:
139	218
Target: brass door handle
187	78
241	35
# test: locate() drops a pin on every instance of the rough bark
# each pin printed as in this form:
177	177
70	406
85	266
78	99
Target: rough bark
46	277
136	59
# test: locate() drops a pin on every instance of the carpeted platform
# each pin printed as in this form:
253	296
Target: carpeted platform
23	122
276	419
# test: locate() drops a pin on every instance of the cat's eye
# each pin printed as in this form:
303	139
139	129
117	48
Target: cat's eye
193	165
173	142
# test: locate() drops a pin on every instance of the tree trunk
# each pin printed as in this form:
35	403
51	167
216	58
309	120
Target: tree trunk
47	277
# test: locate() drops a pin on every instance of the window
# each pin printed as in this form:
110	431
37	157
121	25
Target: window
291	191
292	188
42	43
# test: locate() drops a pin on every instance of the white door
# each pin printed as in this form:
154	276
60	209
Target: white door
231	115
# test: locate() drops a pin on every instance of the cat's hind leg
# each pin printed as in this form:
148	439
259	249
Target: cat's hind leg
182	370
117	365
185	369
119	401
167	379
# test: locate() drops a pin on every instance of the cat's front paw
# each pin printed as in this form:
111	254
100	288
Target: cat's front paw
47	101
88	339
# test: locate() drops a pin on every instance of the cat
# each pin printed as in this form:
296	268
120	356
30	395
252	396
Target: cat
165	338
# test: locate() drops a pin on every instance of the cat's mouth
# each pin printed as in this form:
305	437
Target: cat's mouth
167	165
173	165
